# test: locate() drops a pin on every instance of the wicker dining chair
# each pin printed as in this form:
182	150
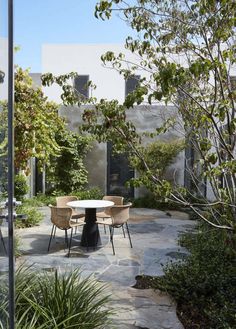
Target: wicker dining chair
119	216
118	200
61	201
61	218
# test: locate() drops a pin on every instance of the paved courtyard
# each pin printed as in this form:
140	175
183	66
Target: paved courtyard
154	237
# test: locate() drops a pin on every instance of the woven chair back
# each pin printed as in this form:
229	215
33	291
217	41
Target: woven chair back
120	214
60	217
63	200
118	200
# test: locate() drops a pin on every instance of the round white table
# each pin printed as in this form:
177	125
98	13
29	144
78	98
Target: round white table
90	235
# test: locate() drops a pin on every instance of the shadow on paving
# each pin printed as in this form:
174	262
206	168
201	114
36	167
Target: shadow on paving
154	238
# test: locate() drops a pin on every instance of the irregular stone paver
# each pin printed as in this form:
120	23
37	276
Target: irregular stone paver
144	309
118	274
154	237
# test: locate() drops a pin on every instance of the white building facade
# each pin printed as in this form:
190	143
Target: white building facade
107	172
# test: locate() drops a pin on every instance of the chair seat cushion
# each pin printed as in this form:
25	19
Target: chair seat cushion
102	214
107	221
76	224
76	215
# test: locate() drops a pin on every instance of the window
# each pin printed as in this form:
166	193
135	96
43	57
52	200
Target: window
81	85
131	83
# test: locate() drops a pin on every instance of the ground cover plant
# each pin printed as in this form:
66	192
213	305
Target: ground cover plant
46	199
56	301
32	214
204	283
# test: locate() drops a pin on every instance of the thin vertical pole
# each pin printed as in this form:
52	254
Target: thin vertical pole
11	168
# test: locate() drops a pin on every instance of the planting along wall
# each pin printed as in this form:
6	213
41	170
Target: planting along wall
85	60
145	119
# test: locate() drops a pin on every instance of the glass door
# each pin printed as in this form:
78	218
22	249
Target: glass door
119	172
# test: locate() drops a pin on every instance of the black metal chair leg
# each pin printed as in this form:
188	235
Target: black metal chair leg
123	230
4	247
111	238
129	235
66	238
104	228
71	233
51	236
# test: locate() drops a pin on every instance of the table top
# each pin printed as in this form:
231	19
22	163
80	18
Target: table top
90	204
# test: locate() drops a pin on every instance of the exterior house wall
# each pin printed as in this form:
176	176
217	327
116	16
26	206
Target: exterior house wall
145	120
85	60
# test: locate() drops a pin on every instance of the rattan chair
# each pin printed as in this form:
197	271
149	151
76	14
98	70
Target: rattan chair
119	216
118	200
61	201
61	217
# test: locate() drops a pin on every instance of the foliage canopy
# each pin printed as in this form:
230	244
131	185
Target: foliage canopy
186	51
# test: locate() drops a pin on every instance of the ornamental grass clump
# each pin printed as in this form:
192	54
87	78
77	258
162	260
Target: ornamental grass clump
57	301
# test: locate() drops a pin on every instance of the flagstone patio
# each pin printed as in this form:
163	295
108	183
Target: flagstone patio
154	236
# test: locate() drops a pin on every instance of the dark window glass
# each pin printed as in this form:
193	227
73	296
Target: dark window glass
118	173
131	83
81	85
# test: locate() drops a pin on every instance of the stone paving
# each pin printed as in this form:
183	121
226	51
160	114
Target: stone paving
154	237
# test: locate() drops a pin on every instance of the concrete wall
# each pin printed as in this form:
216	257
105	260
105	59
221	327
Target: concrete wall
146	119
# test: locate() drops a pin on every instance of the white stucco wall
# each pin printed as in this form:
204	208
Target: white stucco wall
85	60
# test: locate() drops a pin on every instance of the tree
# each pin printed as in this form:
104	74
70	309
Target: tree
40	132
187	51
36	122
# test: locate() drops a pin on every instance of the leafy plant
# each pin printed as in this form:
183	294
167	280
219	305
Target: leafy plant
185	51
36	122
93	193
50	301
152	201
67	172
40	200
17	243
33	216
157	156
203	284
21	186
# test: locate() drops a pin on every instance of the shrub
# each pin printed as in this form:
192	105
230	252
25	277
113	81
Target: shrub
204	285
45	199
94	193
158	155
67	172
53	301
21	186
153	202
33	216
41	200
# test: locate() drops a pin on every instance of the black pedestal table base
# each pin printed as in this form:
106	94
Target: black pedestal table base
90	235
